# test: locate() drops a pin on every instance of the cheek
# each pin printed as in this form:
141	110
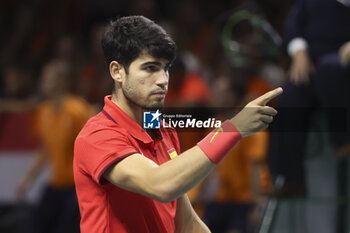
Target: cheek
135	89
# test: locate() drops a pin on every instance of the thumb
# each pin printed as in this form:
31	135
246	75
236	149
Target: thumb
265	98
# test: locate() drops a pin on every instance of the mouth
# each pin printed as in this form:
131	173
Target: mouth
159	94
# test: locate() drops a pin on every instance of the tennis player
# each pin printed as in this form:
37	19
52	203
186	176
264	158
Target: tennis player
135	181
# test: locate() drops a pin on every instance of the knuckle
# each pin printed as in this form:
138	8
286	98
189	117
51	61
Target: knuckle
259	110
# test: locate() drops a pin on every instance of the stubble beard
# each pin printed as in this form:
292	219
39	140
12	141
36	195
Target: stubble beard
127	91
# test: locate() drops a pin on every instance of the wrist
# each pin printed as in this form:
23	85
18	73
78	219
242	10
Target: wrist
295	45
238	128
220	141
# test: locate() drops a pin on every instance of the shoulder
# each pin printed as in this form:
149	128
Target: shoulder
43	111
99	140
76	102
77	107
99	128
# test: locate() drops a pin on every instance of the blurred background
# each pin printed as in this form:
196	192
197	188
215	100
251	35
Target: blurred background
229	52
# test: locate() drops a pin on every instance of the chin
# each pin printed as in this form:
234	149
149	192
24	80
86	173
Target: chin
155	105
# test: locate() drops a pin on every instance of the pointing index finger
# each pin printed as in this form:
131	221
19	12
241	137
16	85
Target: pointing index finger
265	98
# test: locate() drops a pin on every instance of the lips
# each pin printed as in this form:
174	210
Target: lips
158	93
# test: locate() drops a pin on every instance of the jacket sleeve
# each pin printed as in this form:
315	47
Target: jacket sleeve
295	23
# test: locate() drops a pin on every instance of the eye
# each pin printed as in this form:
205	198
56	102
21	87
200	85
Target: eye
151	68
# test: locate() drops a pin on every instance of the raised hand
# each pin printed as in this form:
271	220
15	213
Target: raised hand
256	116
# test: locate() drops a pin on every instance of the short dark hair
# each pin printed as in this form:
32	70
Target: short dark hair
127	37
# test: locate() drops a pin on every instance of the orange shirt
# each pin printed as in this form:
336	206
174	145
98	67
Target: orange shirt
235	171
237	178
57	129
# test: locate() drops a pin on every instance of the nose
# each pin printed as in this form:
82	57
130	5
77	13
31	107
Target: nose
163	78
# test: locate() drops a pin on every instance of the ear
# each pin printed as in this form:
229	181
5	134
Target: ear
117	71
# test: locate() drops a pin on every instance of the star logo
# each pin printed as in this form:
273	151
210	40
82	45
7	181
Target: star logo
155	115
151	120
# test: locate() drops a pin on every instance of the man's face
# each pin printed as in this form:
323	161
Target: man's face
146	84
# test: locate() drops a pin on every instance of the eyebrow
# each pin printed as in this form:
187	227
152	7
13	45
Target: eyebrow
156	63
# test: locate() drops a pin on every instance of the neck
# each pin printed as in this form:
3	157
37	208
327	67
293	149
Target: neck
131	109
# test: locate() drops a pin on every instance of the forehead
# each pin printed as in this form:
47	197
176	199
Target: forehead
145	58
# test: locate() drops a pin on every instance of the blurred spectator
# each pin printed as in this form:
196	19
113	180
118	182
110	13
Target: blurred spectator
251	44
236	185
59	120
94	82
318	35
35	26
16	20
17	92
193	32
242	180
17	81
186	89
17	103
67	48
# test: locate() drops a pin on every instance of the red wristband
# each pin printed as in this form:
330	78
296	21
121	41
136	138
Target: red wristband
220	141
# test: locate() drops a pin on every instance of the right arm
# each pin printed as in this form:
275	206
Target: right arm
163	183
172	179
301	66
